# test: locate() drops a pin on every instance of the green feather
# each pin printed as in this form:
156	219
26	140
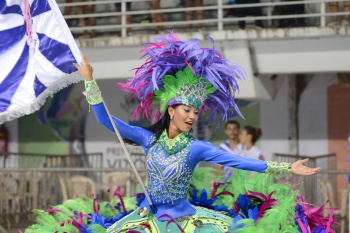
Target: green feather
282	213
173	84
203	178
47	223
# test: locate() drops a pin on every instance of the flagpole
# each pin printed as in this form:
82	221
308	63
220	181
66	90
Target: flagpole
122	143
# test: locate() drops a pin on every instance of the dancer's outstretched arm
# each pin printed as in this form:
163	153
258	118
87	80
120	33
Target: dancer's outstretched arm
137	134
205	151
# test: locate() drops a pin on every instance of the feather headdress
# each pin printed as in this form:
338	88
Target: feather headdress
180	72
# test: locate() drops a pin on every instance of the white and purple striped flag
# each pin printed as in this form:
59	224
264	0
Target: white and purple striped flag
37	52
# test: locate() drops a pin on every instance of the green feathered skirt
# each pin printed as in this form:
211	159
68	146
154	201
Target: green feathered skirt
277	218
204	221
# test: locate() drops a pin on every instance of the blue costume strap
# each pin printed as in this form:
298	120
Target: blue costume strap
205	151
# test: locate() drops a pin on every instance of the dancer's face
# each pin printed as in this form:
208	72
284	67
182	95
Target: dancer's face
184	117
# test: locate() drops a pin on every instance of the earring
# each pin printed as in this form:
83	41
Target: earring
171	117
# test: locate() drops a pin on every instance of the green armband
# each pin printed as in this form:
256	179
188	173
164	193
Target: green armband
278	168
92	92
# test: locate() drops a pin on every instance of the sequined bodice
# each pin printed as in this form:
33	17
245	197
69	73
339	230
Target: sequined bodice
169	174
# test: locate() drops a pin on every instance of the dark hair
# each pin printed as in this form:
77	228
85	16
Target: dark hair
254	131
158	127
232	122
161	125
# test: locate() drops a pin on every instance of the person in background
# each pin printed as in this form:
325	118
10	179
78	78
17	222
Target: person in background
199	13
249	136
80	11
296	9
156	17
68	11
334	7
118	7
90	9
232	145
230	12
247	11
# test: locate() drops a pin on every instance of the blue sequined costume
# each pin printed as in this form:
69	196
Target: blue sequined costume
170	164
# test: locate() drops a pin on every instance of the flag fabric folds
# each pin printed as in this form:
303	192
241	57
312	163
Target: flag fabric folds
37	52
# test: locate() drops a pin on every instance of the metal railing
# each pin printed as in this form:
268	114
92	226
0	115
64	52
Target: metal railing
310	185
25	189
29	160
214	15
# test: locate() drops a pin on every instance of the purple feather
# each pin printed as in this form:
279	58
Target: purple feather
169	55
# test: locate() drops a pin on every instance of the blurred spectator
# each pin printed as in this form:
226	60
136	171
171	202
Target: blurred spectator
334	7
90	10
232	145
253	11
248	137
181	3
230	12
199	13
68	11
296	9
156	17
118	7
277	23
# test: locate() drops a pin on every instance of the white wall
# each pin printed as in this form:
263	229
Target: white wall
274	123
307	55
313	116
312	119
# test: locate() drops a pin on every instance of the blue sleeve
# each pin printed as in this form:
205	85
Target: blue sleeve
205	151
136	134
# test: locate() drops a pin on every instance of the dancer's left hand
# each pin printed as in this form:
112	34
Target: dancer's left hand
299	169
86	69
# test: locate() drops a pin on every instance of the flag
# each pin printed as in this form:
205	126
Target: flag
37	52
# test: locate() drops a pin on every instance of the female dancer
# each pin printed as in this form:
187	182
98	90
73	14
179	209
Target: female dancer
181	80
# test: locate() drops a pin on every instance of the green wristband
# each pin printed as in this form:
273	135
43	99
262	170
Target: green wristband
92	92
278	168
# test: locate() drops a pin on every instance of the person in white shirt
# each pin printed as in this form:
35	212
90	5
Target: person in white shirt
232	145
248	138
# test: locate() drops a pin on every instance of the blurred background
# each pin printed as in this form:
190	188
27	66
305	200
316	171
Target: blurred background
296	56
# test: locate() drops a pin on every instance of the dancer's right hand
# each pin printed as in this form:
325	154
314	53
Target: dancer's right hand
86	70
299	169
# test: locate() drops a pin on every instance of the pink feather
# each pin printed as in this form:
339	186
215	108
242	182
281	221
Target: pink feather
267	201
216	185
314	215
296	185
303	228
